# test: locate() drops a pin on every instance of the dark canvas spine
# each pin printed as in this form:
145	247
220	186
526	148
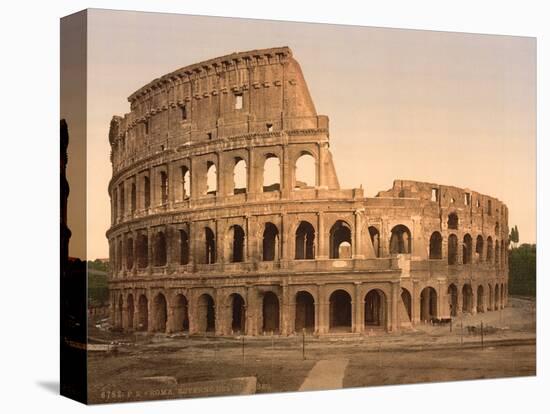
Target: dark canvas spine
73	283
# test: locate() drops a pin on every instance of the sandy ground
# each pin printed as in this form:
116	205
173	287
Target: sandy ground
155	367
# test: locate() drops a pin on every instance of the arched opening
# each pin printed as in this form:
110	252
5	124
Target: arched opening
489	249
160	313
375	240
497	297
452	221
497	228
239	176
375	308
238	313
305	241
407	302
119	256
340	311
467	299
428	304
206	315
497	253
436	242
452	293
236	236
184	247
467	249
210	246
270	243
452	246
305	312
120	313
490	302
146	192
340	240
181	314
272	173
130	308
305	171
479	248
185	183
502	296
133	198
270	313
143	251
160	249
163	187
400	240
143	314
211	178
129	253
480	299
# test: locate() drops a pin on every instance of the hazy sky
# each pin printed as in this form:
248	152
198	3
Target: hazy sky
451	108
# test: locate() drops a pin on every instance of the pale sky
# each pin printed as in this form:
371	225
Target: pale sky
450	108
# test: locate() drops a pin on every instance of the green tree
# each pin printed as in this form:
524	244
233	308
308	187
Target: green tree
523	270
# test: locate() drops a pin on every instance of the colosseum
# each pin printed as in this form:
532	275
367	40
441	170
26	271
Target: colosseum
215	230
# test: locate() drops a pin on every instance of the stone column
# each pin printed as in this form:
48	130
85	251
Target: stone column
321	237
150	312
150	252
322	321
395	290
170	319
415	305
357	245
321	175
358	325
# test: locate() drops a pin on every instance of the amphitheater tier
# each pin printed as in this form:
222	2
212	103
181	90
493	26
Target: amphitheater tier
193	249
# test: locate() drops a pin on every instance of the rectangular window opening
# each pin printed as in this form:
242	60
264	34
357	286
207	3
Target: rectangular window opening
238	101
435	194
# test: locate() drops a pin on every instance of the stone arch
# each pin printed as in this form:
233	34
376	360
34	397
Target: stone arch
142	251
129	253
406	298
305	312
130	309
146	192
206	314
181	313
467	298
270	312
238	313
240	176
120	312
305	241
400	240
467	249
163	187
489	249
133	198
305	174
480	306
184	247
160	313
340	311
376	309
497	252
340	240
119	255
270	243
271	173
490	297
185	182
436	243
428	304
236	239
479	248
211	178
375	240
143	313
452	221
452	293
160	249
210	246
452	249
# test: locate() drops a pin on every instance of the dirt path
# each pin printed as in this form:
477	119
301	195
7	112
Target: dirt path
327	374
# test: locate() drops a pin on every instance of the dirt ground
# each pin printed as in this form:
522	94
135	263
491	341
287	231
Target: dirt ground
156	367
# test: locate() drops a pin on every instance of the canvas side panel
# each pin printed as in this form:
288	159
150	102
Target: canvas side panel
73	329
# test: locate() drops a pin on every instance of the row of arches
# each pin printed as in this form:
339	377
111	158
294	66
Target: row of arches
484	253
140	315
208	176
486	298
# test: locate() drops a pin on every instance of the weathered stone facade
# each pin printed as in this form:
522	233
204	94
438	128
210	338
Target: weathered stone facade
287	256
